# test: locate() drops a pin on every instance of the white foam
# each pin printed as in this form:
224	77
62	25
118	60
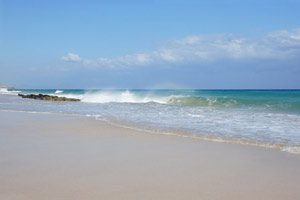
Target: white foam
118	97
292	149
3	90
204	137
58	91
6	91
195	115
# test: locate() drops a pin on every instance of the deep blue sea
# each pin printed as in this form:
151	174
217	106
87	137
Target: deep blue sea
269	118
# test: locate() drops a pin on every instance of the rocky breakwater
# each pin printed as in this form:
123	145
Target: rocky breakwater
47	97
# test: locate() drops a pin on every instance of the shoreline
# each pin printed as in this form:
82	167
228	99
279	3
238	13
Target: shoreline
176	133
69	157
189	135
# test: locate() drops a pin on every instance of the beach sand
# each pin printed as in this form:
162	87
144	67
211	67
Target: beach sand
52	156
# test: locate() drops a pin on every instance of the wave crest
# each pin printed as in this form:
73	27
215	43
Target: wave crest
118	97
58	91
138	97
9	92
186	99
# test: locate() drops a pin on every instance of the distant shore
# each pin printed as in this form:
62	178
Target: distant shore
50	156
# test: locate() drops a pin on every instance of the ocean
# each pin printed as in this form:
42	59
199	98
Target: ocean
269	118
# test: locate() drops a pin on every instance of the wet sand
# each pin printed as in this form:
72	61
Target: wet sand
51	156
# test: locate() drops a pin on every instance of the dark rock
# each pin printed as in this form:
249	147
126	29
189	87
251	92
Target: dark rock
47	97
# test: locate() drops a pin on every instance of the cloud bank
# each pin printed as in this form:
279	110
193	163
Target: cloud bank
205	48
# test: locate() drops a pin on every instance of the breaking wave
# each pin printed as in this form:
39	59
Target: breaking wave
128	96
9	92
118	97
58	91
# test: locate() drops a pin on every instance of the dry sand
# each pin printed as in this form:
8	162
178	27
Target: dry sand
49	156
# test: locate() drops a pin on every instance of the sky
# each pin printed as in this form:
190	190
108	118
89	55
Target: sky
154	44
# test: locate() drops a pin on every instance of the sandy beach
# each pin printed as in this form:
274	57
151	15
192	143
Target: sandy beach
52	156
150	100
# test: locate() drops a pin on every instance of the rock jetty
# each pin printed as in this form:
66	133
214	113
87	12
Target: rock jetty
47	97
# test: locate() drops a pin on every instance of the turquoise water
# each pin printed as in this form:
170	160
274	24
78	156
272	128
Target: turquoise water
277	100
261	117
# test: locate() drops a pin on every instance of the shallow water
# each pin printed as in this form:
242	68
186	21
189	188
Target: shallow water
265	117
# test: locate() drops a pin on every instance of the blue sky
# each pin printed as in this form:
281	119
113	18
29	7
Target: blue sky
150	44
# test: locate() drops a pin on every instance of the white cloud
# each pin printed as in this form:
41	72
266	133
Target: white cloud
167	55
122	61
190	40
71	57
206	48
